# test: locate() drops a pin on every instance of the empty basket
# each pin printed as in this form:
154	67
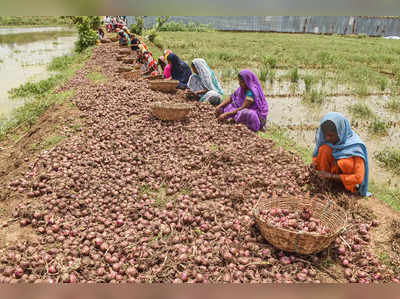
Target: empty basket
124	69
164	85
169	111
124	52
132	75
328	212
156	77
128	60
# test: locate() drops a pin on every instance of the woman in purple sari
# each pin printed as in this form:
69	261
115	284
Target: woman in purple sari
247	105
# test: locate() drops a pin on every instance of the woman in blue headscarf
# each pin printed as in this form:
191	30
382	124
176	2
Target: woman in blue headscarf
340	154
179	70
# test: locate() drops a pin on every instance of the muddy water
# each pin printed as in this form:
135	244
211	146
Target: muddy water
24	54
292	111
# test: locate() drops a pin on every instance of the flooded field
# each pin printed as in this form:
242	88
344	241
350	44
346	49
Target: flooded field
24	54
289	110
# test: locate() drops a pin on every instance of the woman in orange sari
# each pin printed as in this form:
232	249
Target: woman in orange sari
340	155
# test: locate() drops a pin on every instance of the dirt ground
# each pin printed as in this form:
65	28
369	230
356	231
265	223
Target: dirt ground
16	158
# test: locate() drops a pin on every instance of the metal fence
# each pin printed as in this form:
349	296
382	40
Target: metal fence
373	26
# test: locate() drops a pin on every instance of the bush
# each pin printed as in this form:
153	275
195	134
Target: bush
87	36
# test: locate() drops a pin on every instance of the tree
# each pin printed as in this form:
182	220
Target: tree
160	22
138	27
86	31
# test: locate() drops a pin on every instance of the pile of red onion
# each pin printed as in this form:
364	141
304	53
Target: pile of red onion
296	221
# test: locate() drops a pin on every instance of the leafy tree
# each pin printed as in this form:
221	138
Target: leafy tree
86	31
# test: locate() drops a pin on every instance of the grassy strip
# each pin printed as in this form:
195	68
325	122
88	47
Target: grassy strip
384	192
34	21
281	138
41	95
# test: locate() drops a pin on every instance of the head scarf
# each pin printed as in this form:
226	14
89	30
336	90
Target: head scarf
207	76
252	83
179	70
349	144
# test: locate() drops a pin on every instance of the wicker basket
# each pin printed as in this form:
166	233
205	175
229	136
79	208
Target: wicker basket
124	52
156	77
128	60
105	41
132	75
119	57
114	39
124	69
164	85
168	111
328	212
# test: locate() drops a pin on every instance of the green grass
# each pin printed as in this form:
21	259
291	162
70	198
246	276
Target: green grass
35	88
314	97
294	75
383	83
40	96
49	143
270	61
25	38
361	110
350	61
96	77
378	127
388	194
362	90
393	104
390	158
281	138
34	20
62	63
308	82
267	74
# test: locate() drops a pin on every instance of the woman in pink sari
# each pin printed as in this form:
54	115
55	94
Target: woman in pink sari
247	105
